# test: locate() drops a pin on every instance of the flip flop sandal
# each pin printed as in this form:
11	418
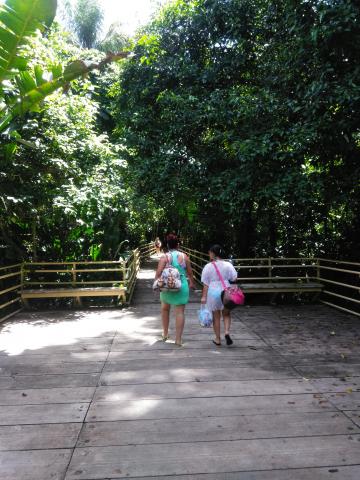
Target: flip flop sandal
217	344
164	339
228	340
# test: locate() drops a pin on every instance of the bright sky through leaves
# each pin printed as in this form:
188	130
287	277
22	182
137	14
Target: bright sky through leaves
132	14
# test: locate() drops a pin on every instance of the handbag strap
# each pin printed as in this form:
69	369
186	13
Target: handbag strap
219	275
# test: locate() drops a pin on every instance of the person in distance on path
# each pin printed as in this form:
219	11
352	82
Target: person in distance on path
157	244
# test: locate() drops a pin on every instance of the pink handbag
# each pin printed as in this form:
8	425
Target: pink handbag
231	296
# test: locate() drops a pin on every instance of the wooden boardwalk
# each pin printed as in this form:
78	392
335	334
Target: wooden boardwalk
95	395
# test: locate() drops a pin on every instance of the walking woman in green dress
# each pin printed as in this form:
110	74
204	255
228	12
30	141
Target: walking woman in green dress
179	298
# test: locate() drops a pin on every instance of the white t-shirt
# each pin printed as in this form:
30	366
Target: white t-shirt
209	274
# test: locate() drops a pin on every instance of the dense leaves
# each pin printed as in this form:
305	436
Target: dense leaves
241	119
63	189
234	121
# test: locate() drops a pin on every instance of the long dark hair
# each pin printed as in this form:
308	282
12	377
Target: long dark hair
218	251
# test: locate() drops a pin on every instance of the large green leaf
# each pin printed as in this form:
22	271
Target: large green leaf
34	89
20	19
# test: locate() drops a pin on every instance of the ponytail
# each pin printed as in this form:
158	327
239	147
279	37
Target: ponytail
218	251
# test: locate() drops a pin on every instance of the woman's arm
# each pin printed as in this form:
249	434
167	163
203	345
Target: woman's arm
189	272
204	294
205	280
232	273
161	266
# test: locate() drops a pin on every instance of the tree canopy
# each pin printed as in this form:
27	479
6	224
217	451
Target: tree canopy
235	121
241	119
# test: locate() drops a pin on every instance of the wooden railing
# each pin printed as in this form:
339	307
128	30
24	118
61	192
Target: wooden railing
341	278
342	284
73	274
147	249
132	266
42	277
57	275
10	286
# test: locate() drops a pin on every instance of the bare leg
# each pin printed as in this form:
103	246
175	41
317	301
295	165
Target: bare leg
216	325
227	320
179	323
165	317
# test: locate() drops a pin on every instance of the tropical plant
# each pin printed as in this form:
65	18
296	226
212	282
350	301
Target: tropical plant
23	89
20	20
60	176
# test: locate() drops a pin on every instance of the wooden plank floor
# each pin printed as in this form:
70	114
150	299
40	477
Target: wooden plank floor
96	395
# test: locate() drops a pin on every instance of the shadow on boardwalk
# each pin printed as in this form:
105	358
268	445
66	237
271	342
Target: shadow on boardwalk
95	395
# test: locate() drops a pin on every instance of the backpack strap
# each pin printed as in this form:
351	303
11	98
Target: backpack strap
183	259
169	260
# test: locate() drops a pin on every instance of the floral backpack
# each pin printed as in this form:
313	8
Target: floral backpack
170	279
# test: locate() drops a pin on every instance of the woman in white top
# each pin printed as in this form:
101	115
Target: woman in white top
211	295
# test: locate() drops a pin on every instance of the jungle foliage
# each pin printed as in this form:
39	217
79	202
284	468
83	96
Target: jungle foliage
63	187
241	120
234	121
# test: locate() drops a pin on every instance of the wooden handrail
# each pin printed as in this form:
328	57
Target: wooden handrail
71	263
340	284
9	275
338	261
273	264
7	290
11	266
72	270
339	270
338	307
128	268
341	296
9	303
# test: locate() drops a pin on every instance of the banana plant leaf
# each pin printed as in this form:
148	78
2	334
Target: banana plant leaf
34	89
19	20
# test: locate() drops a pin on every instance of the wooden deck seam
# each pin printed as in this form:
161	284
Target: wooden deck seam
85	415
231	472
249	439
191	397
271	414
328	410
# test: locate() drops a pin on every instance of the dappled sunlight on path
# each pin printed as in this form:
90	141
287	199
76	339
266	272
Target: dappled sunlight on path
34	331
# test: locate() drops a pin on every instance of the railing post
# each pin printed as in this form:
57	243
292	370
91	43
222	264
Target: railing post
77	299
270	270
24	301
318	269
22	277
123	264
